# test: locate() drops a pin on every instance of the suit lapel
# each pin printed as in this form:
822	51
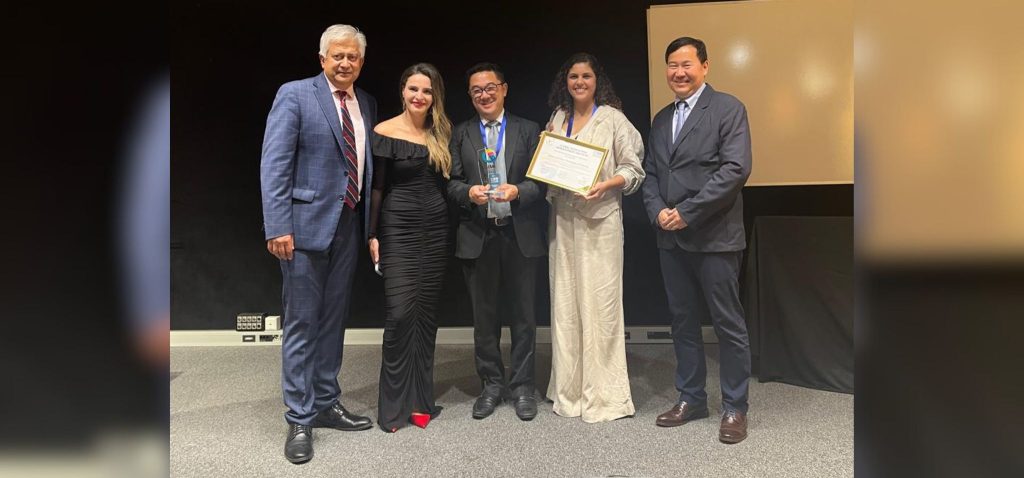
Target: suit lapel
364	111
694	117
661	132
474	135
666	131
511	137
368	126
323	96
473	131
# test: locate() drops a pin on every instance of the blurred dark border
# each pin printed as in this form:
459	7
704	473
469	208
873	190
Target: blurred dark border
73	91
939	361
939	345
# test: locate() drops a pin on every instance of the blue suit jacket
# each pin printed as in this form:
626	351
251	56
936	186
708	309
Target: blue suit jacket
303	170
701	175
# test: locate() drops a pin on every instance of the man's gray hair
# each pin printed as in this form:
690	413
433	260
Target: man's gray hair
336	33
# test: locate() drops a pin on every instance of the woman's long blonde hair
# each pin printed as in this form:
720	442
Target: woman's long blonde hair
439	128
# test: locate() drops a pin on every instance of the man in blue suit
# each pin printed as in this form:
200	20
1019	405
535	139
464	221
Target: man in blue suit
315	172
698	159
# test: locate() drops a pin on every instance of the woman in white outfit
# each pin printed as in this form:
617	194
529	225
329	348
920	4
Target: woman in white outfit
588	364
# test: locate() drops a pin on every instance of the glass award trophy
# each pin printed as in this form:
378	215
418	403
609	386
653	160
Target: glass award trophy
488	169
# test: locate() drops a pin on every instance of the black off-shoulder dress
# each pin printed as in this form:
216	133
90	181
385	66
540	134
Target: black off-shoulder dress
409	218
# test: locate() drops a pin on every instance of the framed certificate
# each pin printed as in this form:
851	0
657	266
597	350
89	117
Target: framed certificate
569	164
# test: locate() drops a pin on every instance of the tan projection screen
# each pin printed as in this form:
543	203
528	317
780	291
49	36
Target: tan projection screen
790	62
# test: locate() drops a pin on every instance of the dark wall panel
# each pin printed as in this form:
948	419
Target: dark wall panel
229	58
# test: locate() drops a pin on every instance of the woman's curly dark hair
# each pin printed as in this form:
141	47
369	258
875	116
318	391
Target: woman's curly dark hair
559	96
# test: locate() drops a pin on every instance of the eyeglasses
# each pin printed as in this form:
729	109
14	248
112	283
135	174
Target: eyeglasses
489	88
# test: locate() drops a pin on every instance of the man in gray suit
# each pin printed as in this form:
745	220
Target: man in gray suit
315	172
697	162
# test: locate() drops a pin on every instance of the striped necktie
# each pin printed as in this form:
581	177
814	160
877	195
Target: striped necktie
349	148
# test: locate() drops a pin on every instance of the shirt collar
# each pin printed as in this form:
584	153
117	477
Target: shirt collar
501	117
334	89
692	100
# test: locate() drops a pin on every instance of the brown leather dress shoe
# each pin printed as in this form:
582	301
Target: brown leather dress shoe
680	414
733	428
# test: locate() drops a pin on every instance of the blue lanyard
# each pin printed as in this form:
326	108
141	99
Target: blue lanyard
568	130
501	136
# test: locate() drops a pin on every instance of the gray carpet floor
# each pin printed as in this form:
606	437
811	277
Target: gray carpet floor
227	419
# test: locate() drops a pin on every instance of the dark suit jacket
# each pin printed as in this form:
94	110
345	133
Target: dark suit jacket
303	169
529	211
701	175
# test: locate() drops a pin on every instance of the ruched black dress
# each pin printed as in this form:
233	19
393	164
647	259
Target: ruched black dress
409	218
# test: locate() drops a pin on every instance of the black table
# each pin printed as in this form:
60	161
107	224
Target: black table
799	301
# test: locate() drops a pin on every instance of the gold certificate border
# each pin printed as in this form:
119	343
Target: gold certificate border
546	135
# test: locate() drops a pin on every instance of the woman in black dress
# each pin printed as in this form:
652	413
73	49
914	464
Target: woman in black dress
409	241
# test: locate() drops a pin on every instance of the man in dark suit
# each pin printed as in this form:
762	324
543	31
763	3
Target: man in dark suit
314	173
698	159
500	238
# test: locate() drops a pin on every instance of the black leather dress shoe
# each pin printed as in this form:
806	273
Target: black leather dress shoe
299	446
526	407
484	405
340	419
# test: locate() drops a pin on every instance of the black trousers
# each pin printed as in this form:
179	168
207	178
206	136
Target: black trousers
502	284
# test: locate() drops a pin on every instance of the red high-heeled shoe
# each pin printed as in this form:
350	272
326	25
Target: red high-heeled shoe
420	419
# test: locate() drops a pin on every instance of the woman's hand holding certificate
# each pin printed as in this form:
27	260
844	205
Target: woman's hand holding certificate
566	163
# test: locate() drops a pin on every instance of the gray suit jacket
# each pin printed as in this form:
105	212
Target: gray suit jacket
529	211
701	174
303	169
